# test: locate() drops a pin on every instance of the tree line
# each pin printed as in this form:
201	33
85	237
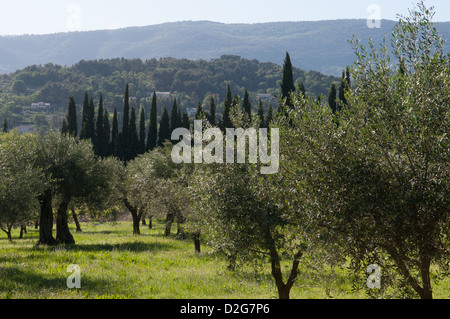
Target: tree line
132	138
362	182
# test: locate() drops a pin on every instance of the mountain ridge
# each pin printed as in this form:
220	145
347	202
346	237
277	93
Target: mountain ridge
313	45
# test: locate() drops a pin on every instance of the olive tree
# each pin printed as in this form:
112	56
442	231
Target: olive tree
377	171
249	216
20	181
77	175
153	185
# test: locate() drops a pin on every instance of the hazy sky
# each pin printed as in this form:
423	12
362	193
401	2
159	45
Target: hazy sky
52	16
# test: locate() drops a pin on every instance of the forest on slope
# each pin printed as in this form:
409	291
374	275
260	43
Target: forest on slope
314	45
189	81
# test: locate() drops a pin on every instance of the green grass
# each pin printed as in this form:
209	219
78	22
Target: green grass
117	264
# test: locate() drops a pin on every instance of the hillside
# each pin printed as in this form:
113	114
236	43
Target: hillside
321	46
189	81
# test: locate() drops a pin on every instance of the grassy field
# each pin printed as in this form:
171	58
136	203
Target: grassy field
116	264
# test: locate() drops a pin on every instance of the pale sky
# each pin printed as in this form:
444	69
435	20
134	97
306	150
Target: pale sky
53	16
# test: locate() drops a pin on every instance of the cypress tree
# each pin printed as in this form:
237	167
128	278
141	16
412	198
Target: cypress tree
64	129
91	120
99	129
84	115
87	118
5	126
106	150
262	121
226	121
199	114
174	117
332	98
164	128
269	116
342	91
247	106
126	116
123	149
344	87
180	118
153	129
72	126
186	123
142	135
115	134
212	111
287	81
133	143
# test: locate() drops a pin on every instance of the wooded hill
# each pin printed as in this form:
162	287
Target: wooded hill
190	82
313	45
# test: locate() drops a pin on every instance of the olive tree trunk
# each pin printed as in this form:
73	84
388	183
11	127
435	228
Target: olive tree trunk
284	289
46	219
7	231
170	218
196	236
75	219
136	215
63	235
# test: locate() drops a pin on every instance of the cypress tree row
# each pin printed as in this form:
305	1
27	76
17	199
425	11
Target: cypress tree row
153	129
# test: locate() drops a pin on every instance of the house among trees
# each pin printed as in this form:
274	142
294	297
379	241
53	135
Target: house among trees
40	106
163	94
268	97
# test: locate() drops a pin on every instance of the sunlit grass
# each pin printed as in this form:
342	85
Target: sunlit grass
117	264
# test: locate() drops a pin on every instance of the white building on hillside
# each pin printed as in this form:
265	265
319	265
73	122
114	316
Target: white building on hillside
40	106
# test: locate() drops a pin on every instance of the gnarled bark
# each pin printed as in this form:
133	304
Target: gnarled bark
46	220
63	235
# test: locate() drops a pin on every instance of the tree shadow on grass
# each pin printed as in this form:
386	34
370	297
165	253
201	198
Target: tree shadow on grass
128	246
20	281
